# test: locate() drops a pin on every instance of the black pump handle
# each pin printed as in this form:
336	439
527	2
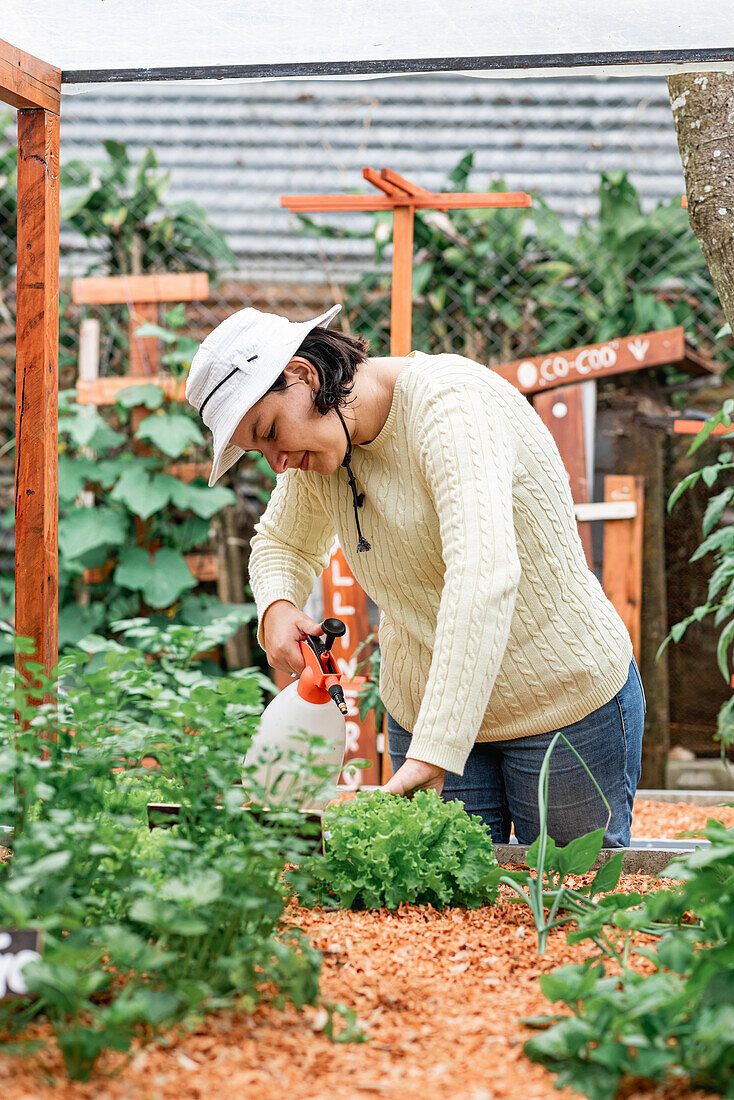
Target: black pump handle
333	629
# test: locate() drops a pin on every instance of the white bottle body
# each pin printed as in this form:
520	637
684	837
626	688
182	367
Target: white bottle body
282	721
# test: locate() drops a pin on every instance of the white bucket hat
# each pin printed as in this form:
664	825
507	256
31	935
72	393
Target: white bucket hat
235	366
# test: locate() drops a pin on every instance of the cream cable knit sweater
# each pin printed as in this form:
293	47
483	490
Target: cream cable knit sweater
492	625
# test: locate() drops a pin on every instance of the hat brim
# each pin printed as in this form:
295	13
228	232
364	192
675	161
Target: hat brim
226	453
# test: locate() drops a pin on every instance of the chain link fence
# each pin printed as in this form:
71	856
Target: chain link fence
190	178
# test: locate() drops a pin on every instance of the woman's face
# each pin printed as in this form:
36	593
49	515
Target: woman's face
289	431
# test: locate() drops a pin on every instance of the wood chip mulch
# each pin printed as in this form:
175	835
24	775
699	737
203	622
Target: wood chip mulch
440	993
665	819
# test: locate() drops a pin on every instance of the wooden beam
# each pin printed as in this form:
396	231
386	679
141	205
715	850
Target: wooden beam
104	391
604	510
187	471
145	356
405	185
202	564
377	180
646	349
105	290
451	200
37	388
401	306
693	427
25	81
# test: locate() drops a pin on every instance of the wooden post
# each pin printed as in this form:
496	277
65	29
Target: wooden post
230	583
142	294
563	414
88	369
630	440
37	388
622	566
403	197
401	306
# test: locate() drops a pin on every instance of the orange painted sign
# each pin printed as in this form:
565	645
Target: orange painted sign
345	600
647	349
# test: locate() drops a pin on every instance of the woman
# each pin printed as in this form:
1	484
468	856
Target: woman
453	509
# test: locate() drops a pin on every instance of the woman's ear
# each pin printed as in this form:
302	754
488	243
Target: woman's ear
301	370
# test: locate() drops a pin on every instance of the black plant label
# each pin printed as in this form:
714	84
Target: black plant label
17	947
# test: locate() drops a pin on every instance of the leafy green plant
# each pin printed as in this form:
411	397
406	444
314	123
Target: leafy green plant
718	532
123	206
132	490
181	348
122	209
500	284
620	273
142	930
553	864
384	850
674	1023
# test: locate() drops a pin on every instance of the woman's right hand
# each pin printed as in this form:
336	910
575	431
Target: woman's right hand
284	626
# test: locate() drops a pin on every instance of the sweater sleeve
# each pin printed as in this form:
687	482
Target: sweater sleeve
467	456
291	545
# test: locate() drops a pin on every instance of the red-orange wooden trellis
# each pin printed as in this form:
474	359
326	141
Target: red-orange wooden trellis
403	198
34	87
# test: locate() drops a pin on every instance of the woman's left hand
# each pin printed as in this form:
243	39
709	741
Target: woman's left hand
415	775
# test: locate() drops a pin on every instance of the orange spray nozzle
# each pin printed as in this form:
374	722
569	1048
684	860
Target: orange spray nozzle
321	679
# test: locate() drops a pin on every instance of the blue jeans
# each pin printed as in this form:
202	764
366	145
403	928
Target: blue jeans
500	780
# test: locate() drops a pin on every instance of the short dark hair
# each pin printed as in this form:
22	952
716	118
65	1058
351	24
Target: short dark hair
336	356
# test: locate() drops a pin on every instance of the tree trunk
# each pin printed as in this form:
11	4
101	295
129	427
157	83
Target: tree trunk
703	112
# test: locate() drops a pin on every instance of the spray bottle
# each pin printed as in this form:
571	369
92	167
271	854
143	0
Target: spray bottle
312	705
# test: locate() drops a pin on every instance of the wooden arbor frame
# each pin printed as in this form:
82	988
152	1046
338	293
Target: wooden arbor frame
34	88
403	197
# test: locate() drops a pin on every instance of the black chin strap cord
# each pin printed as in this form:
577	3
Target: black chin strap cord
357	498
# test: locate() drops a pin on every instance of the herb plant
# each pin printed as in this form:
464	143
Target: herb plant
499	285
674	1023
130	491
383	850
143	930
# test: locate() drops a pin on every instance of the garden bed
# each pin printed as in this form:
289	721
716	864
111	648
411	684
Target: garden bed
440	993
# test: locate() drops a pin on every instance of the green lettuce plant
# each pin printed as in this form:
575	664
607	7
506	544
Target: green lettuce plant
383	850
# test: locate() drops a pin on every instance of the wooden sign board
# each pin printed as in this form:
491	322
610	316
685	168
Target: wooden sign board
361	738
185	286
17	947
629	353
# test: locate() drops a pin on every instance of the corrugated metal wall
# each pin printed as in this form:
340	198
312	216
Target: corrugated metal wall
235	148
